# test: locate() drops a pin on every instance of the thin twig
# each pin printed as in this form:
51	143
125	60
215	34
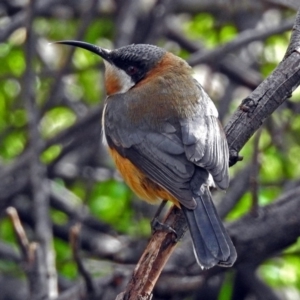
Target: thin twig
19	231
242	40
74	240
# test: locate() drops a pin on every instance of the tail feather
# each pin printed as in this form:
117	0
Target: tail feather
212	244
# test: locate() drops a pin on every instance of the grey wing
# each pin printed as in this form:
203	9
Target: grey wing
159	153
205	142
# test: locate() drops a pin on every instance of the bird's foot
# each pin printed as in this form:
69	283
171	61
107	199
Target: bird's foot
159	226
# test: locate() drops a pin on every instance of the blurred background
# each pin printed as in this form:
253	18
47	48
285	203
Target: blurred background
75	230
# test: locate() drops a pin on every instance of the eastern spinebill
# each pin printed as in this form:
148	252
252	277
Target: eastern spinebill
164	136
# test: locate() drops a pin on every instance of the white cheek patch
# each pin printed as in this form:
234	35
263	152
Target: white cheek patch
104	141
125	81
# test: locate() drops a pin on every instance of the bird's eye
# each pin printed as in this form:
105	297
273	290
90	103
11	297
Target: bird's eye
131	70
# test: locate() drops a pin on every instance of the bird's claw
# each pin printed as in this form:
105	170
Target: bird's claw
159	226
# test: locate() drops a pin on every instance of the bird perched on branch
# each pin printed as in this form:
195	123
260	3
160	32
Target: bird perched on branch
164	136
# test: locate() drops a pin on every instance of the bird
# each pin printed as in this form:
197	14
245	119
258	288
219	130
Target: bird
164	136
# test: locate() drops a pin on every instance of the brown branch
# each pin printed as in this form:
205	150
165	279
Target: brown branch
19	231
154	258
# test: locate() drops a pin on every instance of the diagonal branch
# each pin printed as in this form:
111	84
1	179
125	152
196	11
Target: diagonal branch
155	256
266	98
240	41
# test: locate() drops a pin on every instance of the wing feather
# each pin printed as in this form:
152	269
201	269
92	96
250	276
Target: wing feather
205	142
169	153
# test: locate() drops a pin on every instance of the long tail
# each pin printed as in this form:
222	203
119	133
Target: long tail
212	244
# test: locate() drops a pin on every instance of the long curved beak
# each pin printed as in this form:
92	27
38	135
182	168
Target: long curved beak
104	53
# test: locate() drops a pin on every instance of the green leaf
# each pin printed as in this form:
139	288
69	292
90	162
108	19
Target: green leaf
55	120
110	201
12	144
50	154
16	62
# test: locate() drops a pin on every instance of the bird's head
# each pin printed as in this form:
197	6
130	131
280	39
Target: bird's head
125	66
